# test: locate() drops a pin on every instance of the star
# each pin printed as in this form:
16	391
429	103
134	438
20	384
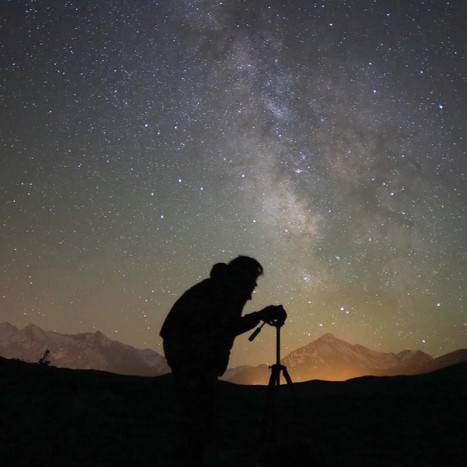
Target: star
143	142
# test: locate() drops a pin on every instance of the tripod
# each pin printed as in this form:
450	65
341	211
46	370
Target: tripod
277	369
270	434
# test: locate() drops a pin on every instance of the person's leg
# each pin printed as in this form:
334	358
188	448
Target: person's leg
196	396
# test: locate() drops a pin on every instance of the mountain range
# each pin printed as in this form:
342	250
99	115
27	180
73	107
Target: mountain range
327	358
79	351
331	359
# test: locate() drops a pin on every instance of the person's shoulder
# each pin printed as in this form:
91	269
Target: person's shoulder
204	284
198	289
210	290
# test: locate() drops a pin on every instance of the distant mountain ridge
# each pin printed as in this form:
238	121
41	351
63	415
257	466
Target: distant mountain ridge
330	358
329	355
327	358
79	351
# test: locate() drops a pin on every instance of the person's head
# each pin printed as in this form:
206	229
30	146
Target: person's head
246	266
241	274
244	272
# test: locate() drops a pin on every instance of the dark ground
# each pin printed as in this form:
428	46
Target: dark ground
59	417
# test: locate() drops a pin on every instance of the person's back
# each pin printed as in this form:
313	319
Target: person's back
202	325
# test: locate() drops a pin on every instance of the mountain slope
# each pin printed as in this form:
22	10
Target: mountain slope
452	358
79	351
330	358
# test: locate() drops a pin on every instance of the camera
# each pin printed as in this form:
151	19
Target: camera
275	315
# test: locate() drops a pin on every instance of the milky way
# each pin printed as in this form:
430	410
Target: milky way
142	142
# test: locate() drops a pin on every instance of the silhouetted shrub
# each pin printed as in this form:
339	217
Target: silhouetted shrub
45	360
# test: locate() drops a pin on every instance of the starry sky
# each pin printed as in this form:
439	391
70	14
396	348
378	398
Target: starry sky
143	141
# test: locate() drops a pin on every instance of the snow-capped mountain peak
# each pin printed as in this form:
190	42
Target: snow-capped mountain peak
80	351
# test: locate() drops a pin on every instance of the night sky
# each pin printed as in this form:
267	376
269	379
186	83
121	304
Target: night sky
141	142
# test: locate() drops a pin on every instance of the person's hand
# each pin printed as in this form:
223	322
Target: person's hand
274	315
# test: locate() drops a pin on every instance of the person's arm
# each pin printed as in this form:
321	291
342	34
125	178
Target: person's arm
272	314
248	322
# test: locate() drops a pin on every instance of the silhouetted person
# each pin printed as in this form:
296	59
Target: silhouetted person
198	335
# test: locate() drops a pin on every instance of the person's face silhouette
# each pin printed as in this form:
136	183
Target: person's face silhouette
244	283
249	289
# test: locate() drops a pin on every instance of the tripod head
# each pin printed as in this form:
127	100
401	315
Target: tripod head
276	322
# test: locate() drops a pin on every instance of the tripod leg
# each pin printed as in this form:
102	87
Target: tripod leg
278	377
268	416
286	375
272	379
288	379
275	378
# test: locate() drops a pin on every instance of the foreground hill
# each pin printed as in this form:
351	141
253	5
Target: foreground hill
57	417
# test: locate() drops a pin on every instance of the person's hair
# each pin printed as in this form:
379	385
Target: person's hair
219	270
246	264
